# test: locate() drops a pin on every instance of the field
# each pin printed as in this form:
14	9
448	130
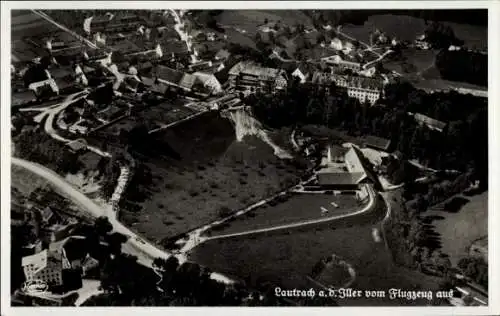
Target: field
25	181
286	259
165	113
298	208
203	173
408	28
419	68
250	20
126	124
26	23
416	62
460	229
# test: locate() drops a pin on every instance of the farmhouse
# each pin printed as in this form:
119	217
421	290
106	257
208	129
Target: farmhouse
303	72
343	172
246	74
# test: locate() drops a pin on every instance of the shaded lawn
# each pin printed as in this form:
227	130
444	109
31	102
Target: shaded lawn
25	181
460	229
250	20
213	174
286	259
408	28
301	207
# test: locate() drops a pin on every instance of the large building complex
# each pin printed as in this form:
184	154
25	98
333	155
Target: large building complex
364	89
247	74
46	266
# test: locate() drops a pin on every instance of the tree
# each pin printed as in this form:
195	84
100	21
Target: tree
102	226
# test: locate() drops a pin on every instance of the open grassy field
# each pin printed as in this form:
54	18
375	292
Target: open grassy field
25	181
301	207
408	28
250	20
205	174
416	62
419	68
166	113
460	229
287	259
25	22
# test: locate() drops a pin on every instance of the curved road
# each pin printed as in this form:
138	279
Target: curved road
144	251
366	208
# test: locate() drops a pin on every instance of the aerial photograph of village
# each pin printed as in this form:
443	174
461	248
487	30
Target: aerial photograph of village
168	157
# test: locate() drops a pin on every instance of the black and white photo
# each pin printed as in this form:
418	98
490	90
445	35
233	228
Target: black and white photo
251	157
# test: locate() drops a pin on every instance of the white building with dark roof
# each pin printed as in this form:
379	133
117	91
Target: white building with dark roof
46	266
345	171
361	88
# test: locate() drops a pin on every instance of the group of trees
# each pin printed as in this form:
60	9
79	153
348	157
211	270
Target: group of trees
475	268
462	65
441	36
35	145
462	145
128	283
338	17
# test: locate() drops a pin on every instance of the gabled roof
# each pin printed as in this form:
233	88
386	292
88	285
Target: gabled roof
125	47
148	81
187	81
61	72
378	142
306	68
168	74
170	46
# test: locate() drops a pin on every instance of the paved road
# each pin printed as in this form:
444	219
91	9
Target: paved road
143	250
366	208
52	111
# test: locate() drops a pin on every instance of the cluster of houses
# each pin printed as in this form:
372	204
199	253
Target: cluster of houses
58	265
54	257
